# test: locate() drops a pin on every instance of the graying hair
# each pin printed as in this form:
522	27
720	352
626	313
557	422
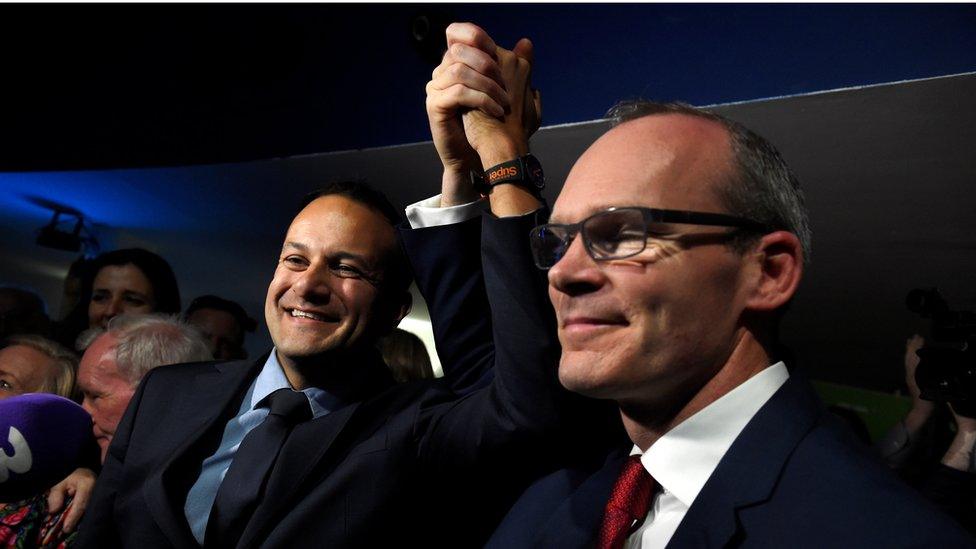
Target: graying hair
148	341
763	188
65	362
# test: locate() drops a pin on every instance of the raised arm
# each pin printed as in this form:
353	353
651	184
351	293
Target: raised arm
519	405
444	253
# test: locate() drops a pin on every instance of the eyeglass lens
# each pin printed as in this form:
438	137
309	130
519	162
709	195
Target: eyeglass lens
617	233
607	235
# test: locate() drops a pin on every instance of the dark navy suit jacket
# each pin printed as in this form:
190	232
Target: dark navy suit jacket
793	478
410	465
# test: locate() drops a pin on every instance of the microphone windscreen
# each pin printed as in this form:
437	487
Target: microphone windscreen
43	438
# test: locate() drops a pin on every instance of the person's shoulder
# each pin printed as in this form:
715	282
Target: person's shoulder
841	485
164	380
182	370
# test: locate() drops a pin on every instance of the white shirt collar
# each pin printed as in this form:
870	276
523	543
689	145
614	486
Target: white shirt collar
684	458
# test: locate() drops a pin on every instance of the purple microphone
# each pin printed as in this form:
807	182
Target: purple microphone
43	438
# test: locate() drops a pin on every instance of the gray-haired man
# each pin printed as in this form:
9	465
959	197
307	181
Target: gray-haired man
117	357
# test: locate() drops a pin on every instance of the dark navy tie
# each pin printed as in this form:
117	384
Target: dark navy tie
243	485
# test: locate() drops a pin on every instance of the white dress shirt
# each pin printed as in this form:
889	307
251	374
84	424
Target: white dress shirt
684	458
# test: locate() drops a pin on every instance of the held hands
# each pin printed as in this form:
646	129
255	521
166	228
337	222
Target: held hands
499	139
467	78
491	87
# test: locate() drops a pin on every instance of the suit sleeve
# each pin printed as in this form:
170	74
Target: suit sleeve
520	408
479	450
523	325
98	527
449	276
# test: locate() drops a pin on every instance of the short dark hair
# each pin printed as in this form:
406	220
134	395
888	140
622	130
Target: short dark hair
763	187
361	192
398	275
166	292
217	303
27	316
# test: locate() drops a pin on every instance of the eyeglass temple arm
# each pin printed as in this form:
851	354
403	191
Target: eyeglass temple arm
702	218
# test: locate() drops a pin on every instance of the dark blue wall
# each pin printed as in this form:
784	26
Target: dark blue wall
101	86
589	56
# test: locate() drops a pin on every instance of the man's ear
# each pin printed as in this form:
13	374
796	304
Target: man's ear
780	258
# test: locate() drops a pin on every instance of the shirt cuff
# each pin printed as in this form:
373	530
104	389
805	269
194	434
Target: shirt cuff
429	213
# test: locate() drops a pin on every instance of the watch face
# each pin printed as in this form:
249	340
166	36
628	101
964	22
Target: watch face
479	183
534	169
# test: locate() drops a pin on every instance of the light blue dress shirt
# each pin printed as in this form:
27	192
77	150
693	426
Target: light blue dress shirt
204	491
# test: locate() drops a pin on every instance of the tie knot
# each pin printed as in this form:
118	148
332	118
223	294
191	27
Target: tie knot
632	492
627	507
291	405
634	477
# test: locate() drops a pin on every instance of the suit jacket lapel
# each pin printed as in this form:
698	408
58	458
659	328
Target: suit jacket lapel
748	472
210	400
576	521
305	448
308	446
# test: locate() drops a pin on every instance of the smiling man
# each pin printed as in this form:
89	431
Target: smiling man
675	247
673	250
308	314
314	444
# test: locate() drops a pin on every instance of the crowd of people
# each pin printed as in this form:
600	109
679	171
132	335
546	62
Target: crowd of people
613	375
125	320
122	320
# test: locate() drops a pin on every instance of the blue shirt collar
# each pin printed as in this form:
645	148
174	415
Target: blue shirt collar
272	377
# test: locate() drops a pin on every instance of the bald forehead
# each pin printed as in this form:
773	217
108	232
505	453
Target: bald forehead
663	161
682	141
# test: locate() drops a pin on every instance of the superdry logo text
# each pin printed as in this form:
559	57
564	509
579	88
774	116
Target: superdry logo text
503	173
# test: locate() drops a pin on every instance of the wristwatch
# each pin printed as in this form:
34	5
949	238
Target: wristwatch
525	171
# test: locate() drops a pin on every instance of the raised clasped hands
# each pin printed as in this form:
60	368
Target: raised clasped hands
481	107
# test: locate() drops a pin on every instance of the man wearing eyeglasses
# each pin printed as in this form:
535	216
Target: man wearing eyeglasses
674	247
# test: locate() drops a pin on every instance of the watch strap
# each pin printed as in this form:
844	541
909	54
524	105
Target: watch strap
524	171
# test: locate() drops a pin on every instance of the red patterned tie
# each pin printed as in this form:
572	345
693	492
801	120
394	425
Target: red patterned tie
628	504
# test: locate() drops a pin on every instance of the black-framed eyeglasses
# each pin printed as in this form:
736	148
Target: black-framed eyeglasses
617	233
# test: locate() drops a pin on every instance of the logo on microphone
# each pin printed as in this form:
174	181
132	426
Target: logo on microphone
20	461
